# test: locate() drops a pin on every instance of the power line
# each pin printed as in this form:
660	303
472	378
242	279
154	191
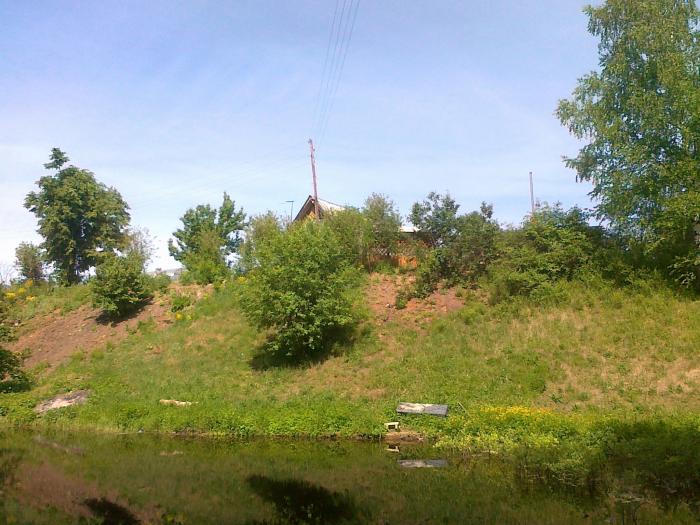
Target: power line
325	61
336	35
331	99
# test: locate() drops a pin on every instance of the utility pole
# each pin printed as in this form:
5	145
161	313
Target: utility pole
291	209
532	196
313	172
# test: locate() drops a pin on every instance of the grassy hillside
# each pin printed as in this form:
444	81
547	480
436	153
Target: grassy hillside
598	350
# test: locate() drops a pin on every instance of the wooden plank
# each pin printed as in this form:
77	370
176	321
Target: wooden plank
422	408
423	463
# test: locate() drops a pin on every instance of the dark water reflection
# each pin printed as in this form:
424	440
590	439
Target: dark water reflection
90	479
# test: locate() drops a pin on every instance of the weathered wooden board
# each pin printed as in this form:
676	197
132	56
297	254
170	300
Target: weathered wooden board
422	408
423	463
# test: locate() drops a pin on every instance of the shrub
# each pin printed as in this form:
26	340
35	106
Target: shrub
6	331
120	285
463	246
158	282
352	230
12	378
207	264
302	288
179	302
259	231
384	228
553	244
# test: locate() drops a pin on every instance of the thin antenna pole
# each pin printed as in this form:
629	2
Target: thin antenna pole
313	172
291	210
532	196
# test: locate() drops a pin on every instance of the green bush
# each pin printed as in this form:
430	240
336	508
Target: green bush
463	246
553	244
303	288
12	378
180	301
120	285
5	321
207	264
158	282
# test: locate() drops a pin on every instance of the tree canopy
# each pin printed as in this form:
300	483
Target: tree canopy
79	217
640	117
207	237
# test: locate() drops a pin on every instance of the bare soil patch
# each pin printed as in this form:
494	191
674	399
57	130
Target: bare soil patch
381	299
53	338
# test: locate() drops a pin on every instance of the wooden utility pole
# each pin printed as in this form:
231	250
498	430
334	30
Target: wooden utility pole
532	196
313	172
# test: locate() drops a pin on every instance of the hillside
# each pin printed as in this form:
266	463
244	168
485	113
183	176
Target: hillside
599	350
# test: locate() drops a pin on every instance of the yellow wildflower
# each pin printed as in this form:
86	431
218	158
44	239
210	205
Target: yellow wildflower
10	295
21	290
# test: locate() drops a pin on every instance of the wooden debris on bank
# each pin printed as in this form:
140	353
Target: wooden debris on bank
175	402
77	397
404	436
422	463
422	408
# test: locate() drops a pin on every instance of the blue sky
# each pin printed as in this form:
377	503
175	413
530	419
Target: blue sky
174	103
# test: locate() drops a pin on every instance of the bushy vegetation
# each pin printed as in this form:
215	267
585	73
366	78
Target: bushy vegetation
12	377
120	286
370	235
301	288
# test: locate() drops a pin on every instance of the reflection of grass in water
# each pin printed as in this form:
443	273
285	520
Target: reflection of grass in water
110	513
223	482
301	502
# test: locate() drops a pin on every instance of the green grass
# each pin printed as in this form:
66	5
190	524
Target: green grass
598	354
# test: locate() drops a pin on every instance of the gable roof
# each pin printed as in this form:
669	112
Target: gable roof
308	208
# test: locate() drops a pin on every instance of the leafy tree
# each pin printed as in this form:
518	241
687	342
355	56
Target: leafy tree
353	231
385	226
436	218
79	217
640	116
473	249
29	261
302	288
207	238
260	229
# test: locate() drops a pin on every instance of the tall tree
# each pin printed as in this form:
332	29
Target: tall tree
436	218
640	117
385	223
78	217
207	237
29	261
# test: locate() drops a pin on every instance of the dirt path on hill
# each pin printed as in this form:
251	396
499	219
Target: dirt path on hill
53	338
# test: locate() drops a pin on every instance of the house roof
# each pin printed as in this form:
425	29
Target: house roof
324	207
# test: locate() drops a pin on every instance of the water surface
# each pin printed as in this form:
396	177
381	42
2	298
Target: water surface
131	479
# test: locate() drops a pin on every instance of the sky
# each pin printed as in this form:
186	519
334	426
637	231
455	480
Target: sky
173	103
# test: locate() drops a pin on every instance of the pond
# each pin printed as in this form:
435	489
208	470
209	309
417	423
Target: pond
130	479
